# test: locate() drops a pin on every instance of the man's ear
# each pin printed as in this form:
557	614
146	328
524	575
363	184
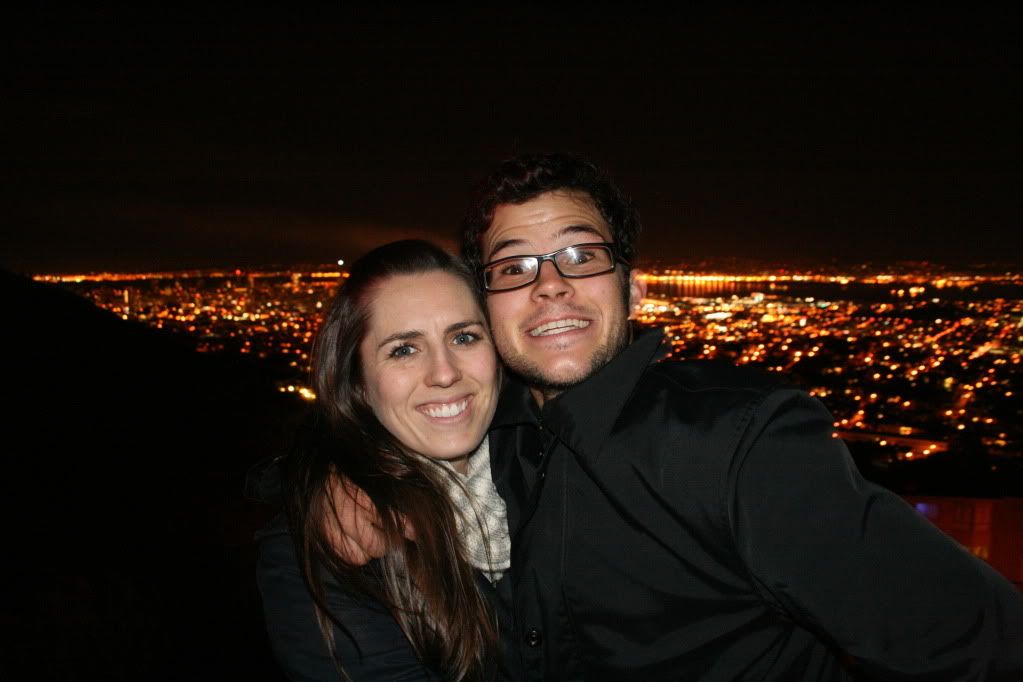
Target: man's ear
637	290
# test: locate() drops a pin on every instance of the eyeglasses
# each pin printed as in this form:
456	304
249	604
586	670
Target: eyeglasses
572	262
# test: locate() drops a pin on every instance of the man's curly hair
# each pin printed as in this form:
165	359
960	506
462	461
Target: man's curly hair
522	178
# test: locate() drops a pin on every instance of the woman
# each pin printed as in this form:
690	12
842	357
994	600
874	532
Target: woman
406	379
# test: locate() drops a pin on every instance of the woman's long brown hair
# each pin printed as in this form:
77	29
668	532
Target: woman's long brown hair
428	585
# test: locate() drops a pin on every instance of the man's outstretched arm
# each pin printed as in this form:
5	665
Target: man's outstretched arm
856	564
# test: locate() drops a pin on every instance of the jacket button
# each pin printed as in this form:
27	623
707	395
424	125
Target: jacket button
533	638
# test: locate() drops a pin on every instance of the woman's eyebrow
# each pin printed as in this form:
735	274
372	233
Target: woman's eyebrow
462	325
416	333
400	336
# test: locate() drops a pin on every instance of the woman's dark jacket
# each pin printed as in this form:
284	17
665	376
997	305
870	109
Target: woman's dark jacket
372	647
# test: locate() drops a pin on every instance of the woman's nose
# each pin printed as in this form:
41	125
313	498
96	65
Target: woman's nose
443	369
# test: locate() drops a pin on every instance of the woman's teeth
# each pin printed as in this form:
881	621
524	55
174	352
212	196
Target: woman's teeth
448	410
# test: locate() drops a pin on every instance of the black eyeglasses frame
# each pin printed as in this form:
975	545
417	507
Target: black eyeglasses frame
542	258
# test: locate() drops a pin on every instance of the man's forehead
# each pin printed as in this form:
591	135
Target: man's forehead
549	217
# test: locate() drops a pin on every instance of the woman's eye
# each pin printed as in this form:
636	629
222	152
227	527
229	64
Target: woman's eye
402	351
464	338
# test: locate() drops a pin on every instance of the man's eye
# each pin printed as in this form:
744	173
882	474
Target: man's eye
465	338
513	269
402	351
580	256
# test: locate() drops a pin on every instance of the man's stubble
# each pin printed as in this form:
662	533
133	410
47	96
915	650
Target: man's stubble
534	376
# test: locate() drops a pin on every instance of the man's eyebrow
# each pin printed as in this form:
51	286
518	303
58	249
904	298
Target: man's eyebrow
581	228
504	244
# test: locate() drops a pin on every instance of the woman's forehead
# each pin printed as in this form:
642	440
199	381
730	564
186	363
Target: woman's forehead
421	299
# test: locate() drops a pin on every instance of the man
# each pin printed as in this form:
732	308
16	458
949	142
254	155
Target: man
683	520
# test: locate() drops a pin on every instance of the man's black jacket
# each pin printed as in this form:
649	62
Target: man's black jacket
690	521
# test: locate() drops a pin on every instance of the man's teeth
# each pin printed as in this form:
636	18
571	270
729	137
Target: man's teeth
558	327
449	410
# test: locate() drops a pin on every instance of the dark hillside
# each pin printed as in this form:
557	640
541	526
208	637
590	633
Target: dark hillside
128	551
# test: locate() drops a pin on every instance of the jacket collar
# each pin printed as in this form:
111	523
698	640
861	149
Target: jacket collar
583	416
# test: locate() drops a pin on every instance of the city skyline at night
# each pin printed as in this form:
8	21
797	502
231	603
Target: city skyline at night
911	364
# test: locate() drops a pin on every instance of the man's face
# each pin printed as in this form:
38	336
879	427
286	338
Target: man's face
555	332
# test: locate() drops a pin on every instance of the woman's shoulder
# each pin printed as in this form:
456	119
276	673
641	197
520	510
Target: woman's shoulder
369	643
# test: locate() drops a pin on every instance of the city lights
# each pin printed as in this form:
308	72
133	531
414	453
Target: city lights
906	373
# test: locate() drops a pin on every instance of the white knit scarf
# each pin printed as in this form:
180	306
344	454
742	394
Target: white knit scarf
483	519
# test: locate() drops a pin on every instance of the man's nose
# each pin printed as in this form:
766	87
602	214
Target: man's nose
549	282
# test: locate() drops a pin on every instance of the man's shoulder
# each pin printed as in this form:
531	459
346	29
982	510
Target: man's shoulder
709	376
706	398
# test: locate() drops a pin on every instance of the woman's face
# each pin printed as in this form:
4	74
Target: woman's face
429	369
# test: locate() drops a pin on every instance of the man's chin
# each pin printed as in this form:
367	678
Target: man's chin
552	379
554	374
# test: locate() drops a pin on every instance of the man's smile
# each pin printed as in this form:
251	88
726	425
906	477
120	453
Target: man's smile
559	326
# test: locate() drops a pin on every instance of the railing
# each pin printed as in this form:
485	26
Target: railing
991	529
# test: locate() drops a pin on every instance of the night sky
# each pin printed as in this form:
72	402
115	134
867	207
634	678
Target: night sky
235	137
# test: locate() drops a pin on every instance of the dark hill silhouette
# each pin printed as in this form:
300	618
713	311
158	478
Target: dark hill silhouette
128	546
